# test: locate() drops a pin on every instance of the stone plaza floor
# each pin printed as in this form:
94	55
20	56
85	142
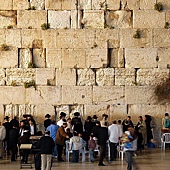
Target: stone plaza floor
149	159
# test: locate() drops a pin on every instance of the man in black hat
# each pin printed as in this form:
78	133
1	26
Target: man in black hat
47	121
62	119
94	118
77	123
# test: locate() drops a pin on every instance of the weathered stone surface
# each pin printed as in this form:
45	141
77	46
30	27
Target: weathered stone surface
30	37
151	76
113	4
66	76
11	110
2	113
6	5
59	19
139	95
44	95
43	75
161	38
141	58
130	4
26	109
74	20
18	76
98	5
53	4
147	4
117	57
76	95
25	18
73	58
20	4
13	37
127	40
124	76
9	59
71	5
53	58
96	57
108	95
105	77
39	58
3	37
93	19
49	38
86	4
148	19
8	18
25	57
62	108
2	77
38	4
14	95
118	19
164	58
86	77
166	4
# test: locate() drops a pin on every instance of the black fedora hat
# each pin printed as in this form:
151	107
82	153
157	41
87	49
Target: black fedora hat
95	117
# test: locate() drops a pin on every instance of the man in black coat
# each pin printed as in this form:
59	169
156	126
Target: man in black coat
14	135
102	135
46	145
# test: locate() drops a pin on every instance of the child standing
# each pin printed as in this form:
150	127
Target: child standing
92	146
76	143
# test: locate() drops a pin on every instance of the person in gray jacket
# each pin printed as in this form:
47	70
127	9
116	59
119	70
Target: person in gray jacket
76	143
2	137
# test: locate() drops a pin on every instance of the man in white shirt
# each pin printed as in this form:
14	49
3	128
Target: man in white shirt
114	135
62	118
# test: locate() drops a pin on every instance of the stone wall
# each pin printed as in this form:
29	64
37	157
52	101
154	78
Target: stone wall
88	60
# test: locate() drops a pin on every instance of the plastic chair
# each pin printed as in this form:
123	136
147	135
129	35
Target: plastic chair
165	139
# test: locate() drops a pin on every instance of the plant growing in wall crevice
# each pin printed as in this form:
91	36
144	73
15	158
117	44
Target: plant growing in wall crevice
4	47
167	25
45	26
31	65
30	84
137	34
158	6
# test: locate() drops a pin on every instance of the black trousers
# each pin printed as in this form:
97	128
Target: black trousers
60	150
113	151
102	153
14	151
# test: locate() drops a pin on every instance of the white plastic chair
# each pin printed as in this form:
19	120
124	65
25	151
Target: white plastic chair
165	139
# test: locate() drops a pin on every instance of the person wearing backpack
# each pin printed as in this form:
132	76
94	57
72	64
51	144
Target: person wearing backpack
166	121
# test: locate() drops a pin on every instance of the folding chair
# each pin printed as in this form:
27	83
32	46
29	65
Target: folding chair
165	139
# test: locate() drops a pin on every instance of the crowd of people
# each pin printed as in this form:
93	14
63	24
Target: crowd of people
90	134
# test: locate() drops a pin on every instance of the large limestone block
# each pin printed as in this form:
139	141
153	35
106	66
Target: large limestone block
166	4
116	57
6	5
9	59
30	37
66	76
118	19
62	108
148	19
86	4
39	58
8	18
164	58
3	36
31	18
25	57
108	95
59	19
49	37
44	95
86	77
26	109
38	4
53	58
73	58
105	76
20	4
14	95
147	4
74	21
2	77
140	58
53	4
124	76
113	4
13	37
127	40
76	95
69	5
151	76
10	110
96	57
43	75
130	4
161	38
139	95
93	19
19	76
